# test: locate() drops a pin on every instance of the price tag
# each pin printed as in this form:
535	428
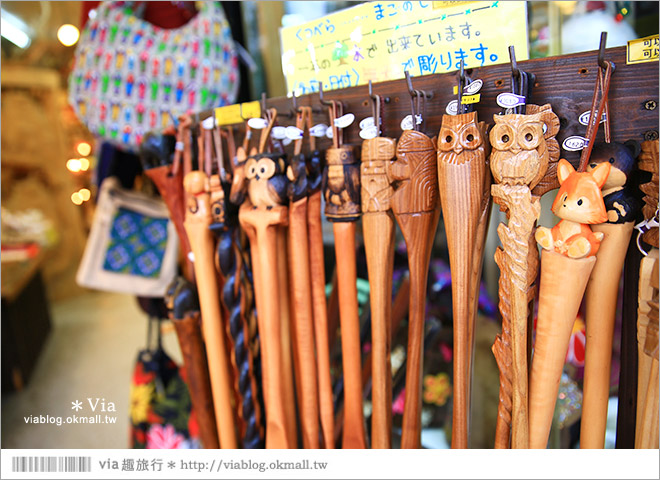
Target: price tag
468	99
452	107
286	141
318	130
574	143
407	123
294	133
369	132
328	133
367	122
208	123
278	133
344	121
584	118
257	123
510	100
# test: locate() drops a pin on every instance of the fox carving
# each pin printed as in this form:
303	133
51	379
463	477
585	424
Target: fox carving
579	203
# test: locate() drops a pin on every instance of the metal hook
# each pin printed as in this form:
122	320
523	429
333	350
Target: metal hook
411	91
240	112
512	58
264	108
601	50
327	103
375	106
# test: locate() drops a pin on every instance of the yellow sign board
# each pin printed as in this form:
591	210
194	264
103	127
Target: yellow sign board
237	113
642	50
468	99
380	40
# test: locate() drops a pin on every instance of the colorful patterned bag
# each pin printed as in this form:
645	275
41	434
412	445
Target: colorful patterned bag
132	246
162	415
130	76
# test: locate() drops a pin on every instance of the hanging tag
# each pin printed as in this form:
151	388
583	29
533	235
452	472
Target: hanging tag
294	133
369	132
469	99
328	133
510	100
286	141
452	107
278	133
584	118
208	123
643	227
318	130
344	121
407	123
574	143
258	123
470	89
367	122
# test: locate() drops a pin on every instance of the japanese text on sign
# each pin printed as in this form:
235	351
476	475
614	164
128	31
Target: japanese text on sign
381	40
643	50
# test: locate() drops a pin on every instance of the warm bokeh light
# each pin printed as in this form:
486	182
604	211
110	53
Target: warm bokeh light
85	194
73	164
84	164
76	198
68	35
84	148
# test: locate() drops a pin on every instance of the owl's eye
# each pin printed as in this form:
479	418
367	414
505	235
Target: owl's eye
611	160
262	170
505	138
579	202
448	139
529	137
470	137
593	165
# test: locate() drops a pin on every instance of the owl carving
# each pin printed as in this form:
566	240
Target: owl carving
523	146
267	182
461	137
297	175
341	185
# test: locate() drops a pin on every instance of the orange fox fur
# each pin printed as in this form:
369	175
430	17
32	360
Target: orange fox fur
579	203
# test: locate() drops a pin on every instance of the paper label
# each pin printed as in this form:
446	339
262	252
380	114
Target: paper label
574	143
231	114
407	123
344	121
278	133
294	133
257	123
369	132
328	133
584	118
469	99
510	100
367	122
642	50
452	107
318	130
208	123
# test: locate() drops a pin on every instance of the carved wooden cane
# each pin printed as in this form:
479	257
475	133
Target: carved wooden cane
229	264
319	304
464	184
341	186
260	219
415	204
378	229
519	161
646	432
198	219
183	307
603	287
566	263
301	293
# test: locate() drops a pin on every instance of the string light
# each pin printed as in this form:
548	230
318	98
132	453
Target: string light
76	198
68	35
84	149
85	194
84	164
73	165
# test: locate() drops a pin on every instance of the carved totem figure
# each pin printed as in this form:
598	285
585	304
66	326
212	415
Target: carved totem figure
464	181
415	204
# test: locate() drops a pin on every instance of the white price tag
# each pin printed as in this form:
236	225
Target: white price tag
584	118
510	100
257	123
369	132
474	87
208	123
367	122
328	133
407	122
344	121
318	130
574	143
286	141
294	133
278	133
452	107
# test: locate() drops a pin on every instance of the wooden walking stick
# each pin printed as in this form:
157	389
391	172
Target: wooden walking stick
341	187
378	229
567	260
319	304
523	148
183	306
198	219
260	218
464	184
230	267
646	432
300	289
415	204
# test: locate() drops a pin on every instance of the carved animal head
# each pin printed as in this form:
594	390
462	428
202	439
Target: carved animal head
621	156
459	133
239	181
267	182
579	198
520	155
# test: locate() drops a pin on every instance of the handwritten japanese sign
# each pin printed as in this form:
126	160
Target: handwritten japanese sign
381	40
642	50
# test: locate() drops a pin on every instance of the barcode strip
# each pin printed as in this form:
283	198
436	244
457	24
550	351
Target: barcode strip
51	464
